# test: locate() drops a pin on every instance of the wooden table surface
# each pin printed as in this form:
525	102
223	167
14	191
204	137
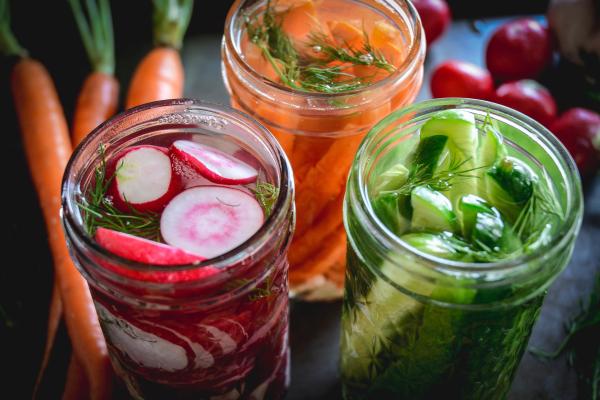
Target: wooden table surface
315	327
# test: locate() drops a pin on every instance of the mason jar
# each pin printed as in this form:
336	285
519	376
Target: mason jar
416	326
320	134
190	335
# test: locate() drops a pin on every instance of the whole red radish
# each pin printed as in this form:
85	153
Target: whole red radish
519	49
530	98
460	79
435	17
143	179
579	130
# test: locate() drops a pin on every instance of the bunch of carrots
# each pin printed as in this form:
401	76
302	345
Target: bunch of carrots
48	144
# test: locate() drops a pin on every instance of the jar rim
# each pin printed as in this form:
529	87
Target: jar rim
277	217
403	72
574	206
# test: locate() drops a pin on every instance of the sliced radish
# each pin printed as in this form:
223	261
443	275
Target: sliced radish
210	220
146	251
143	179
213	164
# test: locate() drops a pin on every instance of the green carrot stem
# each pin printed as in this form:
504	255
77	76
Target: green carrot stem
171	19
9	45
97	33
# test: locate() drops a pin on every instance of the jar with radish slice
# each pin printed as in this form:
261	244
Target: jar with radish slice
179	215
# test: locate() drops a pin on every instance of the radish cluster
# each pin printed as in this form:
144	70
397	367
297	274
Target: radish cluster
196	223
517	54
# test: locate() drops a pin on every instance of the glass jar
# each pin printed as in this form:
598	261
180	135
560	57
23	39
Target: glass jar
320	134
221	335
415	326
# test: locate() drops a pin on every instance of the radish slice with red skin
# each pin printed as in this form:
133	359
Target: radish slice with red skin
143	179
210	220
213	164
148	252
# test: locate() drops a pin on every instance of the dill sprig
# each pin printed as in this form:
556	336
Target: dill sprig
99	211
367	55
581	345
540	214
307	73
442	180
266	195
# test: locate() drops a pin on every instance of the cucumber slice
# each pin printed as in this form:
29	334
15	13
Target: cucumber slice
387	209
458	126
431	210
491	148
428	152
392	179
439	245
469	206
484	227
387	330
509	184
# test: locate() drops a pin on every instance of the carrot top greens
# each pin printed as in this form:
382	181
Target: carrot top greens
304	72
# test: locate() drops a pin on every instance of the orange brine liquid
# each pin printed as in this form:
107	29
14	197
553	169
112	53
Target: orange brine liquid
319	74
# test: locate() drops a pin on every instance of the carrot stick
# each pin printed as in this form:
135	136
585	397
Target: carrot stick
334	252
160	74
47	148
99	95
77	387
325	181
304	246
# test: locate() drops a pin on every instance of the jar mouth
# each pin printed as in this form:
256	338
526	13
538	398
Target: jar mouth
416	46
559	154
277	217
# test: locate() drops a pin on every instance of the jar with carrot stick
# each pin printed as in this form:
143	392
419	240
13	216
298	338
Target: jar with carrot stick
319	74
179	215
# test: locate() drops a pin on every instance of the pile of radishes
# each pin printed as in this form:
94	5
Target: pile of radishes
516	54
196	222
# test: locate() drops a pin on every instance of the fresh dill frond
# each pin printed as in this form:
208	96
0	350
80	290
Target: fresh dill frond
540	214
266	195
442	180
304	72
99	211
367	55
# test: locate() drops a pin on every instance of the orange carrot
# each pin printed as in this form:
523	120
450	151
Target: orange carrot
54	317
99	95
47	148
325	181
96	103
77	387
160	74
333	252
304	246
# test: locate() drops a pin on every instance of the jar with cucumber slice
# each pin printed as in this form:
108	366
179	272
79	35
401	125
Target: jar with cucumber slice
459	215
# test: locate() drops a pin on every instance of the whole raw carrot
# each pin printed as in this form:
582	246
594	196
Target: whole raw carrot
47	147
99	95
76	387
160	74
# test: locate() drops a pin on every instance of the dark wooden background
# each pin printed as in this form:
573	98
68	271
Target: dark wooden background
26	276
